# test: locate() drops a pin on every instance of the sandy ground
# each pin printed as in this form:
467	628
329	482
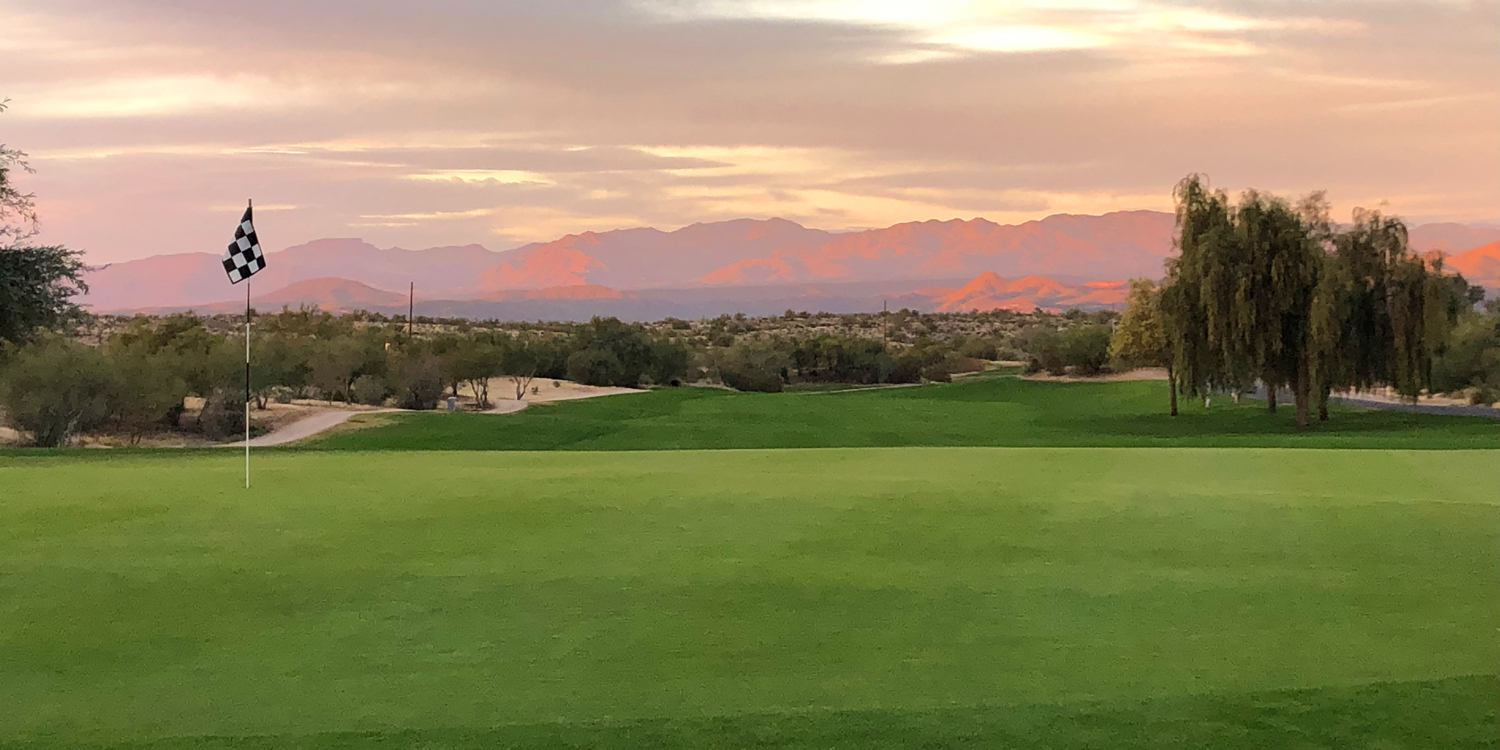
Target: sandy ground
1144	373
503	389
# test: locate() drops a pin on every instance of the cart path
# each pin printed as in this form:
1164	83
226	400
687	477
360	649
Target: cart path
327	419
306	427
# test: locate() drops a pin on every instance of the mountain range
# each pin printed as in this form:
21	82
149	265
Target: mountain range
744	265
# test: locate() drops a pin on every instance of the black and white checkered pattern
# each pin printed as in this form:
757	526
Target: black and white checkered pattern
243	258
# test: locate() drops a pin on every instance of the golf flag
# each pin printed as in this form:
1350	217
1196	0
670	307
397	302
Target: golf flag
243	258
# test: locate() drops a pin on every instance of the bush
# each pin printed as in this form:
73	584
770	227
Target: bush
145	393
596	367
1044	349
669	362
1086	348
55	389
906	368
420	383
223	414
370	390
750	367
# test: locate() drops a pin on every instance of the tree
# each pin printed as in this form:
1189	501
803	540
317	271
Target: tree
628	350
669	361
1139	339
596	367
1194	317
144	391
419	379
1044	345
1277	268
37	283
752	366
333	366
520	361
54	389
18	219
1086	348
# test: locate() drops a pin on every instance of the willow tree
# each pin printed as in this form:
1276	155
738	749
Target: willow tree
1189	312
1370	252
1275	267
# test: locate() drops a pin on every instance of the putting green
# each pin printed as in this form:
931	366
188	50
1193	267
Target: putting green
751	598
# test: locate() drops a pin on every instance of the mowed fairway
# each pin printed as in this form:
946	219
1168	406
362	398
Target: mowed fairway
870	597
993	410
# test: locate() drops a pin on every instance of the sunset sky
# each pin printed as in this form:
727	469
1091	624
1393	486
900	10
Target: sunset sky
459	121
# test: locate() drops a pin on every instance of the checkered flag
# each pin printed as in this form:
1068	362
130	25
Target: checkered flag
243	257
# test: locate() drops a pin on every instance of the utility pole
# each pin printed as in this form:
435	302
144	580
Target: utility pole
411	305
885	321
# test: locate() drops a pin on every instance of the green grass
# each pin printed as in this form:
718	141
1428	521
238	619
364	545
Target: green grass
982	411
907	597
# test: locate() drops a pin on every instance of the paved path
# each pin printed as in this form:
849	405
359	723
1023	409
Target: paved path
328	419
1459	409
305	427
1463	410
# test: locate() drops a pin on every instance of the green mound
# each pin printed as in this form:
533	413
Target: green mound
986	411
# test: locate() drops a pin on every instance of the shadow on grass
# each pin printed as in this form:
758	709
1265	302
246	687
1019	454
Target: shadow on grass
1452	714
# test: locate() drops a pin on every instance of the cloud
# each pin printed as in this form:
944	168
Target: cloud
453	121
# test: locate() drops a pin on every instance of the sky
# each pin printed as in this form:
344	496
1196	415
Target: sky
448	122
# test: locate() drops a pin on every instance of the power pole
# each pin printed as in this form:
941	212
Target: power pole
411	306
885	321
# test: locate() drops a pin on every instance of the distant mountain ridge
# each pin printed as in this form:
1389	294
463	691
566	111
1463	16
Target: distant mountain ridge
933	265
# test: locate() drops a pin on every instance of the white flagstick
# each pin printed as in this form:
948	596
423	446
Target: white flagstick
247	384
248	203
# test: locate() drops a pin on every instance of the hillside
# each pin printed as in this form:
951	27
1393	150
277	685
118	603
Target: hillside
1480	265
744	265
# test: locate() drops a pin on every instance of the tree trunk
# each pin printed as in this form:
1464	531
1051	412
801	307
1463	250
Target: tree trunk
1303	396
1172	388
1323	405
1270	398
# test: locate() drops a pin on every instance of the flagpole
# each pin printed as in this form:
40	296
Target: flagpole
248	204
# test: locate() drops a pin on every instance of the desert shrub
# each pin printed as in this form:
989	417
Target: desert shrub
1043	346
144	391
943	368
282	394
420	381
596	367
370	390
906	368
1085	348
669	362
1484	395
753	367
979	349
631	354
223	414
1471	358
54	389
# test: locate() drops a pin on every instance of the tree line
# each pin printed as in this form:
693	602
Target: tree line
1265	293
137	381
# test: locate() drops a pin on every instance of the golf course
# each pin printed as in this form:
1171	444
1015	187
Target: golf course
989	563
